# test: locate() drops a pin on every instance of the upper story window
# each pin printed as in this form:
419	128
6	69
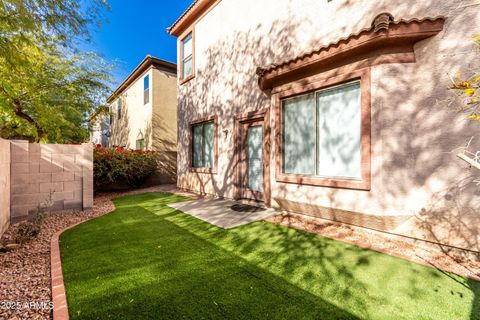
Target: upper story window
119	107
146	89
187	56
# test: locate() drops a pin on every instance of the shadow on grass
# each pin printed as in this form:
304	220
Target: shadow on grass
146	267
147	260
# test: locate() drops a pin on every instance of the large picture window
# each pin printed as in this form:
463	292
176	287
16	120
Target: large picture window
203	144
187	56
321	133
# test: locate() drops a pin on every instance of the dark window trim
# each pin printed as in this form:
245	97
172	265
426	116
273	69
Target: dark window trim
310	86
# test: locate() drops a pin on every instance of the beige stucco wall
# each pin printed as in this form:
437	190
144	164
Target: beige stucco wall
136	119
164	120
4	185
414	128
154	121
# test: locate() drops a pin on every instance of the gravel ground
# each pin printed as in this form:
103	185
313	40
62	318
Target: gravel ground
459	262
25	271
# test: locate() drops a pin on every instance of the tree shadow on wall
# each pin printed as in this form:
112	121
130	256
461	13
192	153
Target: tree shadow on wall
410	143
160	139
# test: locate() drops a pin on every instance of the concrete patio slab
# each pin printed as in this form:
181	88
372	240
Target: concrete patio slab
224	213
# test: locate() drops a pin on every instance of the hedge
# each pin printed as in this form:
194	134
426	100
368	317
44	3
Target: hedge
123	166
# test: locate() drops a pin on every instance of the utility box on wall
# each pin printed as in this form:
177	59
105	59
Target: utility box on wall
50	176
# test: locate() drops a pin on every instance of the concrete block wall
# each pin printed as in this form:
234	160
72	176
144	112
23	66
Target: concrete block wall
4	185
49	175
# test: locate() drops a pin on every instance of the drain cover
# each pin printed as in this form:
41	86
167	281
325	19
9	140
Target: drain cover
246	208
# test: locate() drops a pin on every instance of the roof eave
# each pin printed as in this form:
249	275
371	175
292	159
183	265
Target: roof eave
146	63
189	16
387	37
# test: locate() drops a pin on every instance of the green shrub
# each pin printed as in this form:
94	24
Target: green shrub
122	166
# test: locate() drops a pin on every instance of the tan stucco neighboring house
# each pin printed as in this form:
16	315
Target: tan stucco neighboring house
143	112
144	107
334	109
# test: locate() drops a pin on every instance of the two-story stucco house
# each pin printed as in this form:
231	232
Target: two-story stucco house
334	109
143	111
144	107
99	130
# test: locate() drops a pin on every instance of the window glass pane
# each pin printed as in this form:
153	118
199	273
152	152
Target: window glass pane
187	67
339	131
187	46
140	144
299	135
208	144
119	108
146	96
146	82
197	141
255	162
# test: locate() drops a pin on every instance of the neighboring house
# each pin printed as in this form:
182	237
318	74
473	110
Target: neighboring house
143	111
99	130
144	108
335	109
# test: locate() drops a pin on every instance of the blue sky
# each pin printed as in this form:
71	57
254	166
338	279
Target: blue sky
135	29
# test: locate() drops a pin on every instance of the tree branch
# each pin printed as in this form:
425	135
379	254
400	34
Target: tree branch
17	106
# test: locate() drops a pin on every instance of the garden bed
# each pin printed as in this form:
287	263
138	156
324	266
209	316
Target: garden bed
449	259
25	271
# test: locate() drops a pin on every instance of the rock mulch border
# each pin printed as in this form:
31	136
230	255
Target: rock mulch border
59	295
26	272
33	272
457	261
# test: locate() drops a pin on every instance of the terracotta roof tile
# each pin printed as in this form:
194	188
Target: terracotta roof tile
272	67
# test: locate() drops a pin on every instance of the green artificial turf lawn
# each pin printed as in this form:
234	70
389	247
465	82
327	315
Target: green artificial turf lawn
149	261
